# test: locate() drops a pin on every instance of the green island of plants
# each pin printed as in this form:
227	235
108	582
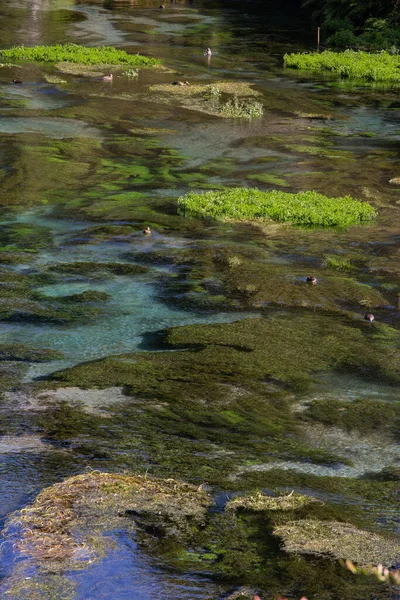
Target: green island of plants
74	53
303	208
377	67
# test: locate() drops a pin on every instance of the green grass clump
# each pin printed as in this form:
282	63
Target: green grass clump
337	262
303	208
380	66
241	109
106	55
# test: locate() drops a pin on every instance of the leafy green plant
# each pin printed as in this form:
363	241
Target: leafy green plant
303	208
75	53
380	66
131	73
337	262
212	92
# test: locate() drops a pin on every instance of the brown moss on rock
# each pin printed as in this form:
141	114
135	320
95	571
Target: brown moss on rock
337	540
64	527
261	502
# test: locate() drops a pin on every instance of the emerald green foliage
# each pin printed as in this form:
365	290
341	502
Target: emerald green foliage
372	24
106	55
379	67
303	208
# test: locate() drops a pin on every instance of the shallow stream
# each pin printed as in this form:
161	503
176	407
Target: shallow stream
85	165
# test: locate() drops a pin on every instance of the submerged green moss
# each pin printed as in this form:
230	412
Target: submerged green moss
27	354
96	269
247	350
363	415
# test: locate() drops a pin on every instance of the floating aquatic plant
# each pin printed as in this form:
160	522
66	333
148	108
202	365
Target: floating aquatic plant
380	66
105	55
241	109
303	208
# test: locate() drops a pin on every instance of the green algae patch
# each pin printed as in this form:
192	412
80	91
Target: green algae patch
337	540
240	277
98	269
74	53
288	350
261	502
372	67
10	256
21	352
367	416
303	208
87	296
65	526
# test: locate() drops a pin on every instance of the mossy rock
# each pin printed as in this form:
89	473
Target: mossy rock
21	352
338	540
85	507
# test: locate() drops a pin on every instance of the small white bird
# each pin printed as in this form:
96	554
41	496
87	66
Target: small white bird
208	52
108	77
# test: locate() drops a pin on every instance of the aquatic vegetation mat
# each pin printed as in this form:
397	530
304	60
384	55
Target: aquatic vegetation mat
374	67
66	526
261	502
339	540
228	99
105	55
93	503
303	208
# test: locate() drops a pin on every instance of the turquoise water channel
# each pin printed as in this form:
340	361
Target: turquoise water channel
199	352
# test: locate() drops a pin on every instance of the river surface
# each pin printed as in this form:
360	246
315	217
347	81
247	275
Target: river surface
86	164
